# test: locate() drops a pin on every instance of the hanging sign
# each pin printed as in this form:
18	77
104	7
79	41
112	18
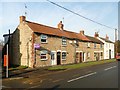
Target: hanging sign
37	46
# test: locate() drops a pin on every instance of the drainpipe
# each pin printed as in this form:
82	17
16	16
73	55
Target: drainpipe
34	58
75	53
28	53
33	53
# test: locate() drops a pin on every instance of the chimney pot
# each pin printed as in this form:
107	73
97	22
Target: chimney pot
107	37
82	32
96	34
60	25
22	18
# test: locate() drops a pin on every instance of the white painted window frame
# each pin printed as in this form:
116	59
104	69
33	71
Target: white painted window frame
46	37
64	40
62	55
42	52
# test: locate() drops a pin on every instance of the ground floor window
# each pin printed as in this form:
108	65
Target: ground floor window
43	55
63	55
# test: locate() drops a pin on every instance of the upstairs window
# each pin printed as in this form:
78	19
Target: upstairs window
43	55
76	42
43	38
64	41
101	46
94	45
64	55
88	45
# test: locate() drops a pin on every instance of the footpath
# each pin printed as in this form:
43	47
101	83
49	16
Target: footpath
15	73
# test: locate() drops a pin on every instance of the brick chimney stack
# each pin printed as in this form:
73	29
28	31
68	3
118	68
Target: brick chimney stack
107	37
96	34
82	32
60	25
22	18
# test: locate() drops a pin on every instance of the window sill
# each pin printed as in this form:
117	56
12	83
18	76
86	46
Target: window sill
64	45
63	59
43	59
44	42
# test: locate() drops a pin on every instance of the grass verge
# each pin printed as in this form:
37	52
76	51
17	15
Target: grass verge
80	65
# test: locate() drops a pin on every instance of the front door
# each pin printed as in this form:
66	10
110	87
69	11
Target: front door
109	54
80	57
77	57
53	58
58	58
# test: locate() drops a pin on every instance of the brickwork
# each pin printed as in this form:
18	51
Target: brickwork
54	44
24	53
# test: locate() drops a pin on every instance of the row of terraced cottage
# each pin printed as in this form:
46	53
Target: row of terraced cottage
37	45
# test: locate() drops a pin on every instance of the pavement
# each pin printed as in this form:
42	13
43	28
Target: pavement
15	73
99	76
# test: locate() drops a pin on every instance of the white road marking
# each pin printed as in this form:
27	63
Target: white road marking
110	68
82	77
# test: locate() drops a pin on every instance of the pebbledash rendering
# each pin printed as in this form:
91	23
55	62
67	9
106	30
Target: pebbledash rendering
37	45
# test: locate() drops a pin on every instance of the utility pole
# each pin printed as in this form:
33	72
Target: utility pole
25	10
115	35
7	63
116	44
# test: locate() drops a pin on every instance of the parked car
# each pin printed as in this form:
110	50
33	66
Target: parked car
118	57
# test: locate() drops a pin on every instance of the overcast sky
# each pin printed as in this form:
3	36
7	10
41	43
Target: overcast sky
46	13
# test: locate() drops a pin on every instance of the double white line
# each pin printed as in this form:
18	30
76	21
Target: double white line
82	77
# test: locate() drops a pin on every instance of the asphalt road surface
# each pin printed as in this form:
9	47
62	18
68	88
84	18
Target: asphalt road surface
99	76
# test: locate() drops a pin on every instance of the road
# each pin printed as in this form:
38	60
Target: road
99	76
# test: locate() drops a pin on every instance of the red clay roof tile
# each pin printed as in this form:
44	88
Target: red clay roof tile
39	28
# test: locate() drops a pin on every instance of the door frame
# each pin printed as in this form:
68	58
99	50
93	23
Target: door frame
55	59
84	56
82	59
110	53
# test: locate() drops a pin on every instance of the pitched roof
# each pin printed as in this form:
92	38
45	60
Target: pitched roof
93	39
39	28
106	40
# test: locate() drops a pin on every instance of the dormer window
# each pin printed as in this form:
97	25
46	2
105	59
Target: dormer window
64	41
43	38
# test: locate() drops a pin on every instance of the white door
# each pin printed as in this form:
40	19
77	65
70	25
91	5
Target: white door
84	59
53	58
